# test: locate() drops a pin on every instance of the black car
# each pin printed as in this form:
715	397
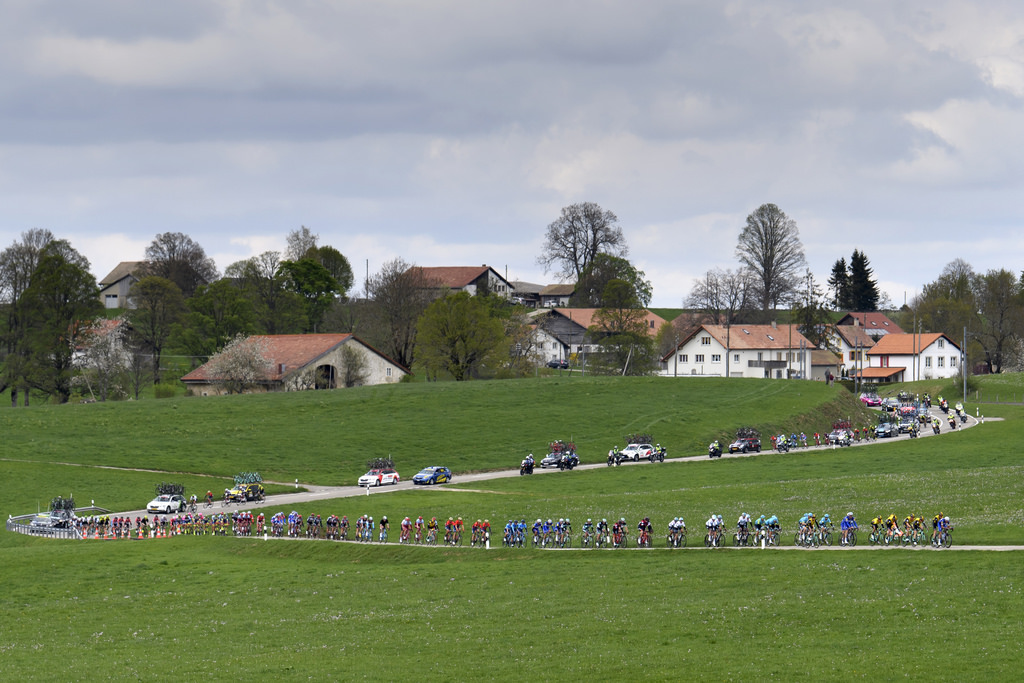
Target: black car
558	364
745	445
884	430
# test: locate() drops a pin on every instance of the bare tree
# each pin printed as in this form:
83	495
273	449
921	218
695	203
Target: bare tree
300	243
769	245
401	293
240	364
176	257
582	232
353	371
278	310
722	295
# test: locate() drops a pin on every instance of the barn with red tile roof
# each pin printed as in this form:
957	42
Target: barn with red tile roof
472	279
296	362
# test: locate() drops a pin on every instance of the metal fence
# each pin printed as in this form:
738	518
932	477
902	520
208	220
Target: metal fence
22	524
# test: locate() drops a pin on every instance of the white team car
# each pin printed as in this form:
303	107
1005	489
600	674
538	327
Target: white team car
636	451
166	504
379	477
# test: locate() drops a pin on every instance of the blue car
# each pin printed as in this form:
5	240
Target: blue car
433	475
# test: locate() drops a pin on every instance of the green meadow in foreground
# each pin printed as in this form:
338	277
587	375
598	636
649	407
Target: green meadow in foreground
223	608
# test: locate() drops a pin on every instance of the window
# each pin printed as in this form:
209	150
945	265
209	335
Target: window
716	358
683	358
699	358
760	355
927	361
387	371
705	341
942	361
952	361
942	343
735	358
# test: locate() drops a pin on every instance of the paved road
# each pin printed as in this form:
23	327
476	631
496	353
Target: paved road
316	493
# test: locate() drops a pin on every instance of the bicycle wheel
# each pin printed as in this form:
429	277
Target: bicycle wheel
796	539
707	541
568	541
826	538
682	540
851	539
947	540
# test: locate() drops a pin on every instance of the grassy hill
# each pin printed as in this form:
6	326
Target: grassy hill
327	437
213	607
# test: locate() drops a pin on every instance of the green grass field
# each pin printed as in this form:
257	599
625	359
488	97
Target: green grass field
218	608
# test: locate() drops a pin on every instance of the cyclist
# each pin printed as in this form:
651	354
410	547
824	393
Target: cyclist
918	527
384	527
936	522
485	531
588	528
545	531
510	533
537	526
741	524
420	525
641	532
459	526
892	527
908	526
449	531
432	529
846	526
209	498
406	530
945	526
712	528
825	522
602	531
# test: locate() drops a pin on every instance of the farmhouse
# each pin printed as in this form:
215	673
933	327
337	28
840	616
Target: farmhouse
562	332
920	356
472	279
295	362
114	287
741	351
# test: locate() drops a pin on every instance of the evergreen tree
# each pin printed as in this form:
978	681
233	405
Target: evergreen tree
863	288
839	283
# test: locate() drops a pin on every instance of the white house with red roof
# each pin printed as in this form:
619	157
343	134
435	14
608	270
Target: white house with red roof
874	323
767	351
910	357
472	279
296	362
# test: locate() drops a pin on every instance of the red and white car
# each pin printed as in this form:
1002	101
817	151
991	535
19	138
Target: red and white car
636	451
379	477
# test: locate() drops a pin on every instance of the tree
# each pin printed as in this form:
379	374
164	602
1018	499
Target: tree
337	265
998	294
603	269
354	370
948	303
458	334
581	233
240	364
159	306
314	284
863	289
217	313
401	293
176	257
300	243
839	285
810	314
18	263
524	354
621	331
277	310
104	358
61	294
769	245
722	295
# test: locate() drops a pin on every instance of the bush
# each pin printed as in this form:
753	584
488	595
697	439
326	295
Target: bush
165	390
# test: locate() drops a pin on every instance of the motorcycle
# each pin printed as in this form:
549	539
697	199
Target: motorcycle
782	446
657	455
714	451
525	468
568	462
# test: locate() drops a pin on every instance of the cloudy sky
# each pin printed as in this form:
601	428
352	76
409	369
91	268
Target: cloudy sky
452	133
